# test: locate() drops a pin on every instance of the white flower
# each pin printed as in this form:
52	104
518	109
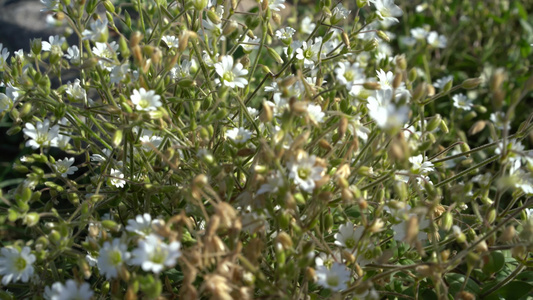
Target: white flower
51	21
149	138
462	102
153	254
107	52
117	178
339	13
334	278
285	34
385	113
498	119
119	73
145	100
5	102
356	128
310	52
54	44
16	265
210	61
274	182
171	41
73	54
307	26
142	225
41	135
304	172
4	55
387	10
76	91
70	291
400	229
99	157
348	236
230	75
315	113
50	5
239	135
98	32
419	33
212	30
437	41
112	257
351	75
419	166
276	5
182	70
64	166
249	44
441	82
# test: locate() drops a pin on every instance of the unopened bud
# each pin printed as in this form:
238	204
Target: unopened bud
370	85
272	53
397	81
213	17
420	92
117	138
266	113
345	39
477	127
401	62
447	221
412	75
230	27
508	234
382	35
371	45
434	123
135	39
471	83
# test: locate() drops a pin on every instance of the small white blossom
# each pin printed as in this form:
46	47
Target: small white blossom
419	33
315	113
16	265
64	166
334	278
112	257
76	91
119	73
98	32
41	135
310	52
498	119
273	184
437	41
462	102
141	225
351	75
387	10
420	165
73	54
441	82
385	113
276	5
304	172
145	100
71	290
248	44
230	76
307	26
153	255
50	5
285	34
5	102
171	41
107	53
339	13
4	55
54	44
117	178
239	135
349	236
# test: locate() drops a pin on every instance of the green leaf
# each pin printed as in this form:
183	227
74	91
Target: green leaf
513	290
455	283
521	10
494	262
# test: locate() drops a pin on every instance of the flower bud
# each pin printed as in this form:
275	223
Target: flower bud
36	46
477	127
117	138
371	45
508	234
31	219
372	85
345	39
362	3
213	17
272	53
471	83
135	39
420	92
109	6
447	221
382	35
401	62
397	81
230	27
434	123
